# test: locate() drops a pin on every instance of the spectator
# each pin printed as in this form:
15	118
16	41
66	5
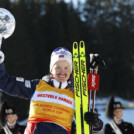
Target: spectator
9	118
114	111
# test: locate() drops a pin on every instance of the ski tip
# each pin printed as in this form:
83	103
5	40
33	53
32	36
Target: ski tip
82	44
75	45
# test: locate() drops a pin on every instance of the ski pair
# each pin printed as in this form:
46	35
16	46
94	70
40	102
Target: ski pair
80	87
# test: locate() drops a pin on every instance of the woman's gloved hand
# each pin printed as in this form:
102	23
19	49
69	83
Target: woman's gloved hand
92	119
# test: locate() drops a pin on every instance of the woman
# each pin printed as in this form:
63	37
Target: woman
52	103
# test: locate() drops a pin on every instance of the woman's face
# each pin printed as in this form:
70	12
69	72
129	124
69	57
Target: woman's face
61	71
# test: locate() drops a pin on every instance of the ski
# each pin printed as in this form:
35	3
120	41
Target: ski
77	89
80	87
84	87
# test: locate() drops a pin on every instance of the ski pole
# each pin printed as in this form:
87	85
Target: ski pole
93	77
93	83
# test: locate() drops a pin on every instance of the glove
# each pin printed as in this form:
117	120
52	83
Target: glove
92	119
97	60
2	57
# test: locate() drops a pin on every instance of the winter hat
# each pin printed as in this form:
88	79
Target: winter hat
5	109
117	105
111	106
60	53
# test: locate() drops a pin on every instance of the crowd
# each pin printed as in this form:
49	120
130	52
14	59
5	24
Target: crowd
52	102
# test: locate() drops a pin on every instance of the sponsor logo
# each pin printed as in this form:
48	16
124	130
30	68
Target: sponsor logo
83	77
93	84
27	83
20	79
76	77
61	56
